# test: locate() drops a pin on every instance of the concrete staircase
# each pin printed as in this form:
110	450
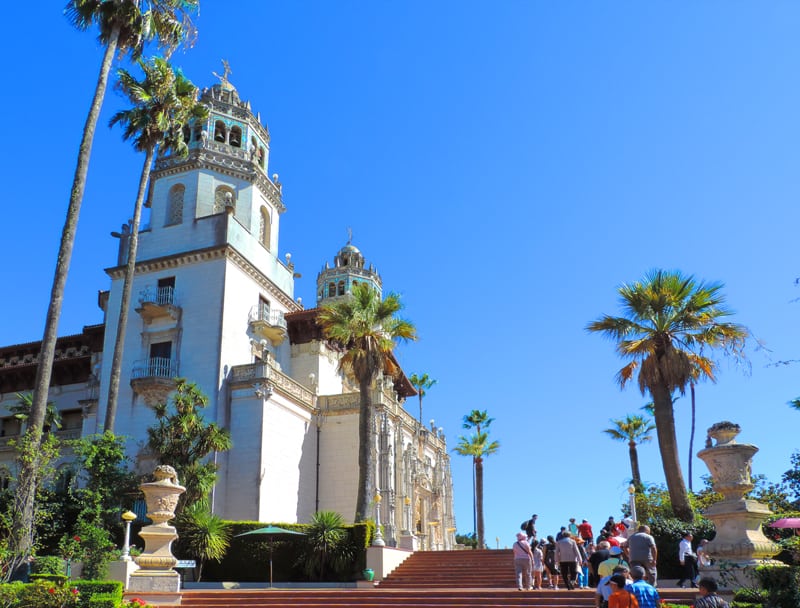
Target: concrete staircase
427	579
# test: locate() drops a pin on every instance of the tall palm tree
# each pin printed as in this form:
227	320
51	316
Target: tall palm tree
422	383
368	328
164	101
478	447
668	322
125	26
634	430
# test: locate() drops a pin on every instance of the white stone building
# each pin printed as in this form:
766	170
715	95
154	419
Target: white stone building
214	303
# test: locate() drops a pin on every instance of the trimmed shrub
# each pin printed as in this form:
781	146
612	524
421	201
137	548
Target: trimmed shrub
10	594
48	564
55	579
104	600
782	584
88	589
668	532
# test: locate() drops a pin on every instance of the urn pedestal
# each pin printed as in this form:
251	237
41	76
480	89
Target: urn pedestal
739	545
156	576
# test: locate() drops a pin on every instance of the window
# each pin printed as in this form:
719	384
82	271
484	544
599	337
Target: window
198	131
331	290
263	309
236	137
165	292
223	197
187	134
5	478
175	204
9	426
261	156
264	227
71	419
64	477
341	288
220	132
161	350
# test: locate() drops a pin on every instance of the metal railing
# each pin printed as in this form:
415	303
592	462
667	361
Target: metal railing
273	317
158	295
155	367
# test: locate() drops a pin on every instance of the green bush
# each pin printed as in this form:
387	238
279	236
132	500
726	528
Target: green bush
47	564
43	594
668	532
10	594
750	596
782	584
104	600
54	579
88	589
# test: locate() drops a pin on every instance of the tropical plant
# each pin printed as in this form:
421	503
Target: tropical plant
669	321
368	329
327	547
203	535
478	447
634	430
22	410
124	26
182	438
422	383
164	101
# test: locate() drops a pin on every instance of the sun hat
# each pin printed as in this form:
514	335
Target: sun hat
615	551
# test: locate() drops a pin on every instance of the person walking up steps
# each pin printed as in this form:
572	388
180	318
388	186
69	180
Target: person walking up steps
568	555
523	561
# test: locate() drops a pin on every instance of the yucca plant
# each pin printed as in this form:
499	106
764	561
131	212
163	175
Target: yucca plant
327	547
203	535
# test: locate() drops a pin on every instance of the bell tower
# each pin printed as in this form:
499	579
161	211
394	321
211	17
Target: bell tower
349	268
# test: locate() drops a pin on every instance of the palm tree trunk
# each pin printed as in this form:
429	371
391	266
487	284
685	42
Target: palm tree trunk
691	437
125	302
21	540
366	466
668	446
634	455
479	501
420	410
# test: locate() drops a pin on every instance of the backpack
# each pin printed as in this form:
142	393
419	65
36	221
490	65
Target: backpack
524	525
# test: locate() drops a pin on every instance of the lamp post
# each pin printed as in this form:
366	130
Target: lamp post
407	503
632	501
128	518
378	540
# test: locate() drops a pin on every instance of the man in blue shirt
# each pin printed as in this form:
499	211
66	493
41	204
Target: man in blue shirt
645	593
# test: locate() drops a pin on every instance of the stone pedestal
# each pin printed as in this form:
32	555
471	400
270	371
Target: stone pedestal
156	563
121	570
408	542
739	545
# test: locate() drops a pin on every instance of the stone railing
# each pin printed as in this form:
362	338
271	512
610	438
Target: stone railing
263	371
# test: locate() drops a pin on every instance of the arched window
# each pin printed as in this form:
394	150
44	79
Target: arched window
5	478
341	288
223	196
264	227
331	289
236	137
64	477
198	131
187	134
261	156
175	204
220	132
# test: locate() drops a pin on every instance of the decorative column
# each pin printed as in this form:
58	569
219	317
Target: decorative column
739	545
378	541
407	538
156	562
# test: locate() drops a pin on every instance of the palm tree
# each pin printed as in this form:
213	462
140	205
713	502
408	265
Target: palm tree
635	430
368	329
422	384
164	101
478	447
326	546
203	535
795	403
668	322
125	26
22	410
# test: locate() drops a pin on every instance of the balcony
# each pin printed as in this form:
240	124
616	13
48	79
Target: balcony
153	379
158	303
267	325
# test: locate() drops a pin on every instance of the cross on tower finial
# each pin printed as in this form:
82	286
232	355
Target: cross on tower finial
226	72
349	235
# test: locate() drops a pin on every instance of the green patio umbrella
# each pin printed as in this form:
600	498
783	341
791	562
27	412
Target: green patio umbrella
271	531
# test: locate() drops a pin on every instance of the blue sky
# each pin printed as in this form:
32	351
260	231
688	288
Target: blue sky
506	166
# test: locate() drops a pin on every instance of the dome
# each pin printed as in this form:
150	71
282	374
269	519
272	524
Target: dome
349	249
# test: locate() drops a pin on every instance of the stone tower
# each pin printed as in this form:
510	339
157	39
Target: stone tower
349	268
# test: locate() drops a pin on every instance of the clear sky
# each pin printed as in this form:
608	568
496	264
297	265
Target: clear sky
506	165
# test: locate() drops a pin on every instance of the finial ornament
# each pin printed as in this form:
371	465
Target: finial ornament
349	235
223	79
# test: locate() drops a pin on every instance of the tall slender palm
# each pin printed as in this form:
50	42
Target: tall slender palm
164	101
369	329
124	26
422	383
668	322
478	447
634	430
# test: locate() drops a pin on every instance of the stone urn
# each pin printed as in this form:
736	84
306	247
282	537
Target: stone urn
156	562
739	545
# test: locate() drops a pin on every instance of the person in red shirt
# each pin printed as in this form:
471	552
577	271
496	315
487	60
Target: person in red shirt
585	531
